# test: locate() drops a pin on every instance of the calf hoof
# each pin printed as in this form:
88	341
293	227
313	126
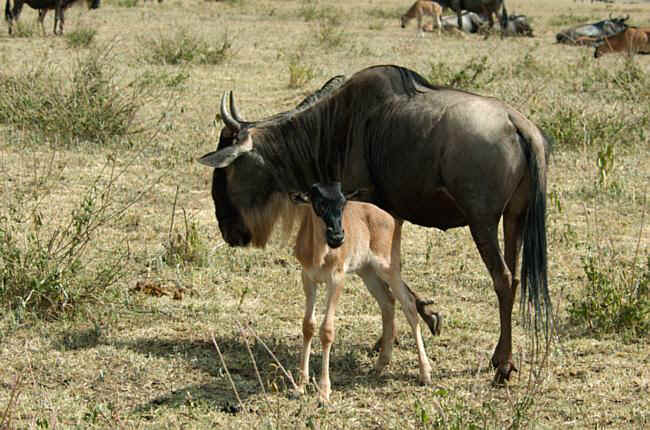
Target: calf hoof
377	346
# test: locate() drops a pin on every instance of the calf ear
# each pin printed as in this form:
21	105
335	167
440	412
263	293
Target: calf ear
224	157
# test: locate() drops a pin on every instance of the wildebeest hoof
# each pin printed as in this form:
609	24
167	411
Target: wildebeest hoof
502	374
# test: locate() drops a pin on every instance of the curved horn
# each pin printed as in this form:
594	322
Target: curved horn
227	119
233	108
626	18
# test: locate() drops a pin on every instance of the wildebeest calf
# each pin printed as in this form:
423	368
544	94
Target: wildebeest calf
632	41
372	250
12	14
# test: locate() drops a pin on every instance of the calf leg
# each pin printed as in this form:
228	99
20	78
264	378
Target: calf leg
335	287
308	329
386	301
407	300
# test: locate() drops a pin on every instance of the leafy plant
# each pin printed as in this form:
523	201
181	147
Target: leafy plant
84	105
299	74
186	248
81	37
185	48
47	269
468	76
616	298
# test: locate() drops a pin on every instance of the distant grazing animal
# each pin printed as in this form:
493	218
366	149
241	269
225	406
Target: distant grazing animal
482	7
59	6
632	41
419	9
518	26
589	34
434	156
371	249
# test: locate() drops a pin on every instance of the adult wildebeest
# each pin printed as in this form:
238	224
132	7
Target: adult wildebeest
632	41
372	250
481	7
59	6
434	156
589	34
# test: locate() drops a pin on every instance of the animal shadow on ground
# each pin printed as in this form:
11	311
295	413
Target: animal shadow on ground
350	366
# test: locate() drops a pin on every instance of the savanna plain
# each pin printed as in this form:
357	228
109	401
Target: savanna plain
116	286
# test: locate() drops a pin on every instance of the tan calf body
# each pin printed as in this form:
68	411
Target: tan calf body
632	41
418	10
371	250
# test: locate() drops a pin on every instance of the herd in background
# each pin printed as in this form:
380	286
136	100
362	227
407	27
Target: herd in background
609	35
471	16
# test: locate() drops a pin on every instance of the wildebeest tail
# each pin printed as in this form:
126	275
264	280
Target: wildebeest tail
534	267
504	16
8	11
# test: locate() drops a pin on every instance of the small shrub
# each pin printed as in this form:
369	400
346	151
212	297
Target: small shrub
46	269
187	248
299	75
81	105
615	299
184	48
80	38
471	75
329	35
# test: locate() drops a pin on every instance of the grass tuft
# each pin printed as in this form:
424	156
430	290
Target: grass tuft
81	37
182	48
85	107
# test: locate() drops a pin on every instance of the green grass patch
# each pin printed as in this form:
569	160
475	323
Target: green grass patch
84	105
183	48
81	37
615	298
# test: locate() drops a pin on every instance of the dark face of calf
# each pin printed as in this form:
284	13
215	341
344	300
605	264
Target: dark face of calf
328	202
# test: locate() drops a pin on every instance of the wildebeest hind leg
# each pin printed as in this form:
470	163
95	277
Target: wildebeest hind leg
41	19
485	237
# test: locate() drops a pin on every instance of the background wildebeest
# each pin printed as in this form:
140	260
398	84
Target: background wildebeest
481	7
474	23
632	41
59	6
589	34
434	156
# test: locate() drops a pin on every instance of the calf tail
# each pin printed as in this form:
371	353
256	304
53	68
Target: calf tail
432	319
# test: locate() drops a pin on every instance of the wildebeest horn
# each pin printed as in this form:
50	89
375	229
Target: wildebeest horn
626	18
225	115
233	108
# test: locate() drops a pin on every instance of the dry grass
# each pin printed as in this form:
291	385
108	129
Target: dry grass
142	357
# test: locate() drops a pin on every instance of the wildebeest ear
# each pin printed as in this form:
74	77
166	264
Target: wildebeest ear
299	198
224	157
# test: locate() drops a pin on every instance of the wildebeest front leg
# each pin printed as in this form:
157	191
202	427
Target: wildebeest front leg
308	329
58	16
334	289
487	243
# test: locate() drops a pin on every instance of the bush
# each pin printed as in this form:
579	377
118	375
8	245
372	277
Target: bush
187	248
83	105
299	75
80	38
184	48
49	269
616	298
475	74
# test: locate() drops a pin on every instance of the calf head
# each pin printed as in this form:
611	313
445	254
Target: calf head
328	202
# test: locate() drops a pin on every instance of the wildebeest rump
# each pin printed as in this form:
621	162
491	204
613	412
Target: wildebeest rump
434	156
59	6
589	34
481	7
